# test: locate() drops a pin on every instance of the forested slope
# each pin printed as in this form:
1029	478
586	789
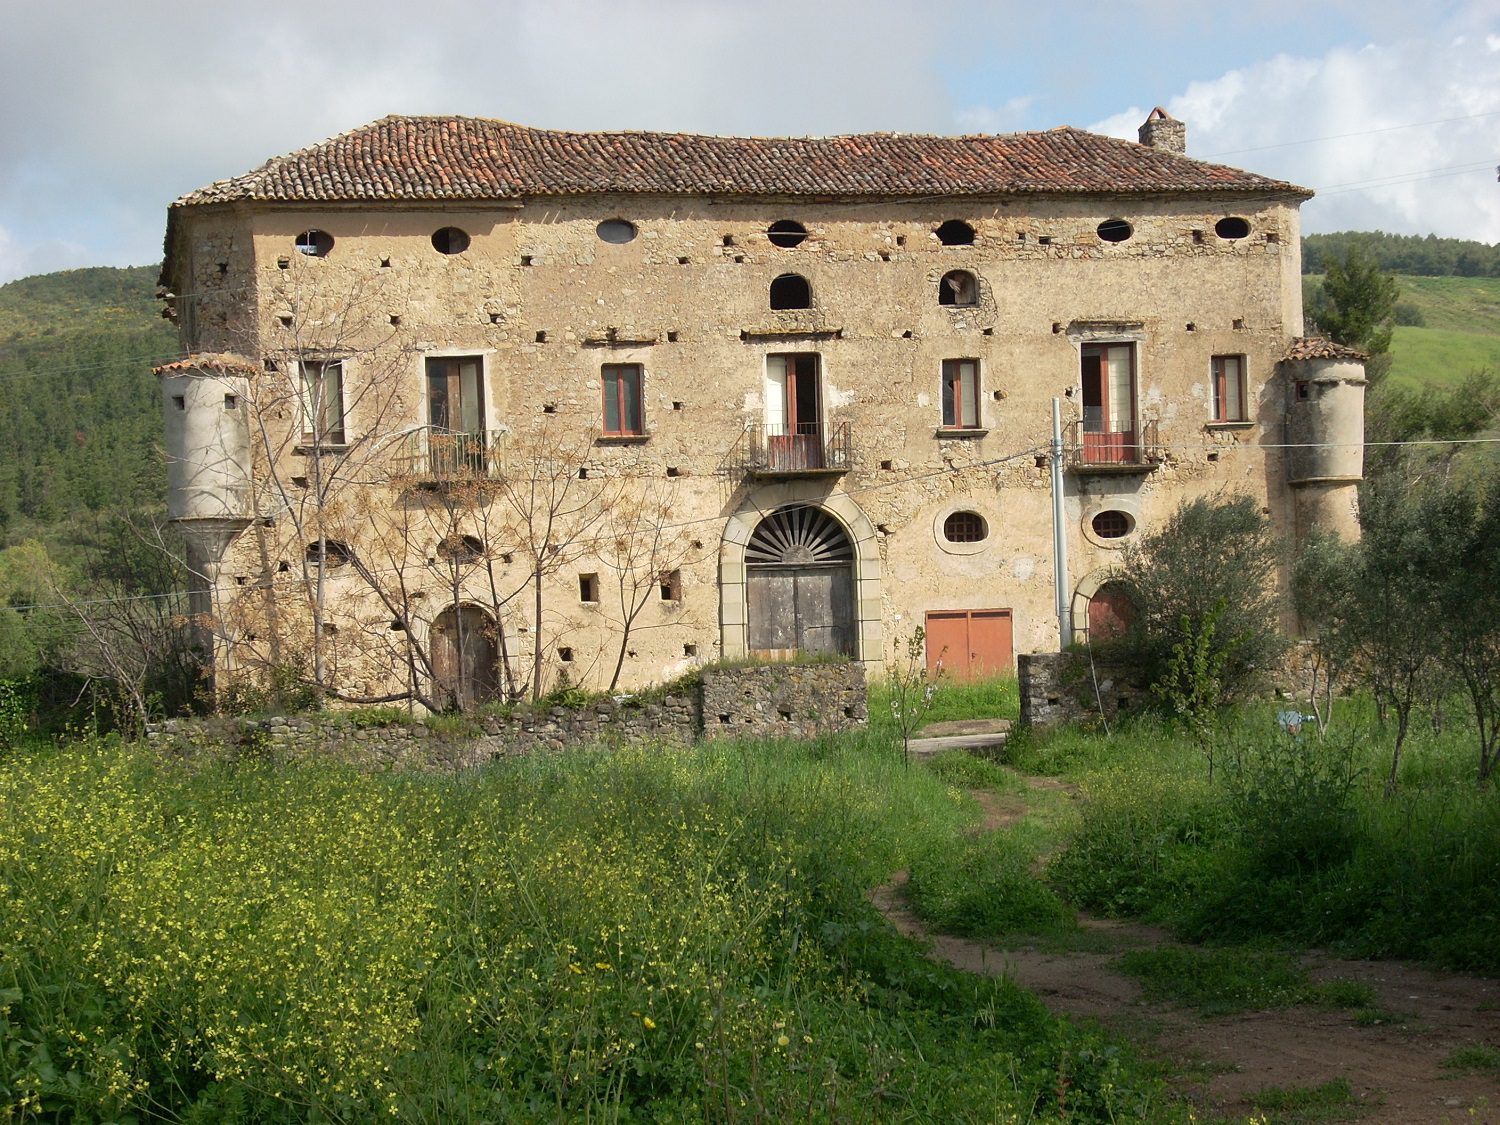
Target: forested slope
79	416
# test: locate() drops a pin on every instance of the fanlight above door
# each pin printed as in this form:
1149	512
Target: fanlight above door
800	535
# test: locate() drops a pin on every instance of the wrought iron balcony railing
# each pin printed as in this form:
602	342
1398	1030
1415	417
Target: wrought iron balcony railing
812	449
437	456
1127	445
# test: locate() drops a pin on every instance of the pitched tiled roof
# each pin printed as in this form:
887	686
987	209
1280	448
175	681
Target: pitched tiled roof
1320	347
458	158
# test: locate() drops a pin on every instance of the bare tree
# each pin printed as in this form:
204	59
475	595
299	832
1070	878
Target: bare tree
638	541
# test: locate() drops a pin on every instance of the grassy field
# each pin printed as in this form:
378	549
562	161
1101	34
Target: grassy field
1291	841
1461	333
646	935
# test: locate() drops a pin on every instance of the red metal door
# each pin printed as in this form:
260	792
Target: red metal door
969	644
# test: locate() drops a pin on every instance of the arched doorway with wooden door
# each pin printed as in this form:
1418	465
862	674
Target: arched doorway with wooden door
799	585
465	658
1102	608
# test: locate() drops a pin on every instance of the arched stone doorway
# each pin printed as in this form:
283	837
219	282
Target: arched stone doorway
1111	612
1102	609
799	585
465	657
757	505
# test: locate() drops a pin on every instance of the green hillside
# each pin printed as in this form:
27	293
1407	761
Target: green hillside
79	418
1460	330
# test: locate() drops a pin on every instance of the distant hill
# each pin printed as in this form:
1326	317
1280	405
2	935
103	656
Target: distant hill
79	416
1411	254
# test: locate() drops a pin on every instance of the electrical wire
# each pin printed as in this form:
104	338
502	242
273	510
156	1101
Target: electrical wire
1033	451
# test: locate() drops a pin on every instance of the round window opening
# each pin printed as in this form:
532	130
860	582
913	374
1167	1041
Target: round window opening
616	231
314	243
1115	230
956	232
1113	524
965	527
786	233
1232	228
450	240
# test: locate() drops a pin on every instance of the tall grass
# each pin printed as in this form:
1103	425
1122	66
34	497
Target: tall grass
1293	839
643	935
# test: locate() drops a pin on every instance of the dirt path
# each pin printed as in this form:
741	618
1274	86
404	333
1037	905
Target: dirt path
1393	1068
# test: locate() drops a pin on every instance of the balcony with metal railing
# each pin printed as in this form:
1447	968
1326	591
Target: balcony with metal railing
807	450
1124	445
434	457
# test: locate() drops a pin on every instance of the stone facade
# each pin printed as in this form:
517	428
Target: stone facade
420	363
783	701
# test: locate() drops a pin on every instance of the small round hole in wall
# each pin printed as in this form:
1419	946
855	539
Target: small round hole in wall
956	232
1231	228
617	231
450	240
965	527
314	243
1114	230
1113	524
786	233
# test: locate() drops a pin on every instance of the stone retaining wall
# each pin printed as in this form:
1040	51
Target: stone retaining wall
755	701
1060	687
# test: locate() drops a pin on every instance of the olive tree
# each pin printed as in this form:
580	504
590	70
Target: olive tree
1205	582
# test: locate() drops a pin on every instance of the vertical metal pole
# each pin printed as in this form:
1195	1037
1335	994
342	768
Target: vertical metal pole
1059	535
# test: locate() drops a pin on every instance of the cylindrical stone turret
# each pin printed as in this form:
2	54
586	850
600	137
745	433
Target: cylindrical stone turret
206	413
1325	433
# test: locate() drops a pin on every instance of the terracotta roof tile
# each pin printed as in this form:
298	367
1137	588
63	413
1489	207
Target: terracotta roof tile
1320	347
467	158
226	362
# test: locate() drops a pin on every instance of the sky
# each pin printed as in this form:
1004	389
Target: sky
1389	109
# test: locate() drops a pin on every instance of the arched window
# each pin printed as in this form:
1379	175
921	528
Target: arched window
791	291
958	287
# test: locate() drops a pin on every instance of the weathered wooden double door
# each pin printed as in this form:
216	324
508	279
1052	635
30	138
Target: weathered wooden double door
800	585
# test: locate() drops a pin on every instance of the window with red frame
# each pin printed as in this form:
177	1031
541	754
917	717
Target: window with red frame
623	416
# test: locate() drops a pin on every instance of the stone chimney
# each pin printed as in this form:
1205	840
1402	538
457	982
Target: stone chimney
1163	132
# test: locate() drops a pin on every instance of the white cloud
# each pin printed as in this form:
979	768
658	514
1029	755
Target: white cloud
1005	118
1339	124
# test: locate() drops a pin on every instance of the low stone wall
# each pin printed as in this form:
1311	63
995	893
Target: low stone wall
782	700
1060	687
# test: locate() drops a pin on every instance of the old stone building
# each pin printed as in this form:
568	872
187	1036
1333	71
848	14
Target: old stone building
468	404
